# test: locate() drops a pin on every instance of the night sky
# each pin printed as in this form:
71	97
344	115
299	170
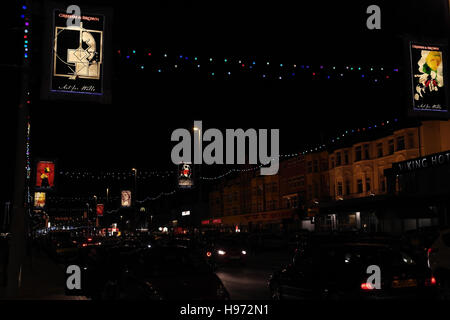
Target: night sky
134	131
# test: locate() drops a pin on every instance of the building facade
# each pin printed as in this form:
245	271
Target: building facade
346	188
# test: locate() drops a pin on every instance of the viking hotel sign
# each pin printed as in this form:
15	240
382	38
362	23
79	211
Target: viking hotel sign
432	160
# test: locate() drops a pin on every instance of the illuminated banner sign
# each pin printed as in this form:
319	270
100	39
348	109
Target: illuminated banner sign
45	175
185	213
126	198
77	53
185	176
100	209
429	86
39	200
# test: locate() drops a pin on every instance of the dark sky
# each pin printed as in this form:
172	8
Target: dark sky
135	129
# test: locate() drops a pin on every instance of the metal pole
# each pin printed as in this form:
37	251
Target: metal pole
18	228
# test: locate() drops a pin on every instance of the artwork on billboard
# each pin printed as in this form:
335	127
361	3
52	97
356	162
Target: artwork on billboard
45	175
126	198
77	61
429	94
185	176
100	209
39	200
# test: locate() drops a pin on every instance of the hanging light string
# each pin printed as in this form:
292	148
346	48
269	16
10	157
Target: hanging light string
144	174
214	66
322	147
26	31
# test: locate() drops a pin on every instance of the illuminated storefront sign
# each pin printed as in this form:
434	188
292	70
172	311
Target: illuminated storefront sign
432	160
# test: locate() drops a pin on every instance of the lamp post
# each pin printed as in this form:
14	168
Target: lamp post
135	183
199	130
134	200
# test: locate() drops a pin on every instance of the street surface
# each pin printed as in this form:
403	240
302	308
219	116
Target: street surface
249	282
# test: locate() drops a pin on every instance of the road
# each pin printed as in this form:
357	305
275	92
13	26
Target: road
249	282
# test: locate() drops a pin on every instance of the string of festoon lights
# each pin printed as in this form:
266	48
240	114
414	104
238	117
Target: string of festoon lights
26	31
149	174
165	174
214	67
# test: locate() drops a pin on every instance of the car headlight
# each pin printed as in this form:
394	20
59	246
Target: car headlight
244	252
221	252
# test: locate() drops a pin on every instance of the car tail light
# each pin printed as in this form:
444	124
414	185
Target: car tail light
89	239
366	286
84	244
431	281
208	254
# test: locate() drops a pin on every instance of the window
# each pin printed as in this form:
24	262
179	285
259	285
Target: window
391	146
366	152
323	165
274	187
309	166
301	181
400	143
347	187
346	157
411	140
358	154
360	186
382	183
309	192
316	166
339	188
332	162
316	190
379	150
368	188
338	159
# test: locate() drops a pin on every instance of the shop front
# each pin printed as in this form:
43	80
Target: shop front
270	221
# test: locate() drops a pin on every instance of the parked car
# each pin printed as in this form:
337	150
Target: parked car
168	273
338	270
61	246
102	266
439	260
421	239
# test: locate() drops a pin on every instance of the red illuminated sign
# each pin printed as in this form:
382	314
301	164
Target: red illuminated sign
45	175
100	209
